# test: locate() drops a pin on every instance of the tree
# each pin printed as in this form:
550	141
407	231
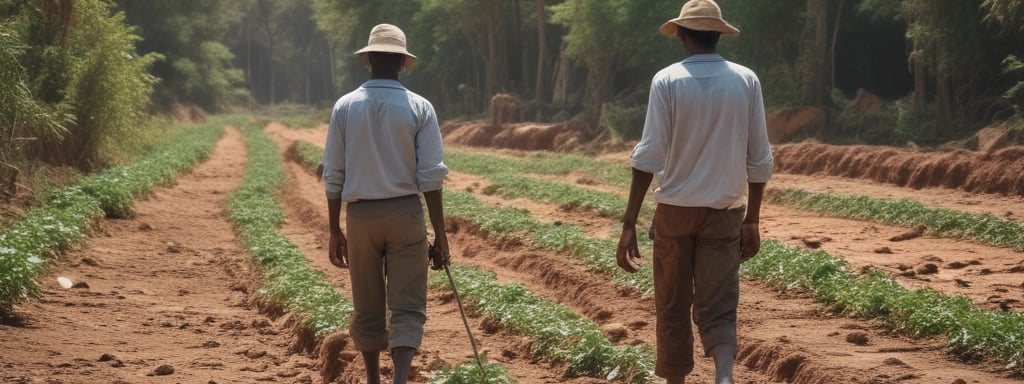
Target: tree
596	38
197	65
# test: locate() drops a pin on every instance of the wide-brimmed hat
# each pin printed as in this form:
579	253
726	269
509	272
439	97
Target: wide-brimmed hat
699	15
387	38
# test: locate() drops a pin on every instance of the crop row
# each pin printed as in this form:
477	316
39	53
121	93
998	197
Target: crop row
506	174
558	332
67	215
288	279
985	228
521	311
921	312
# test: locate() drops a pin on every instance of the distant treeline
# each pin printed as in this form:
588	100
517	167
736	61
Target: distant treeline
77	71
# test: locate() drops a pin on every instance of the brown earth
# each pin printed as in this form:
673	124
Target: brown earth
169	287
560	137
1001	172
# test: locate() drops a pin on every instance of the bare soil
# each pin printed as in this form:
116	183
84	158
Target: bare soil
172	287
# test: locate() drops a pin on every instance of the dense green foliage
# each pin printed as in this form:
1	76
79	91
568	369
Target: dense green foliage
288	278
66	217
79	89
985	228
921	312
196	66
558	332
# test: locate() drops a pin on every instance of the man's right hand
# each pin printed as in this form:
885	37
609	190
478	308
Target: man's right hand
337	249
628	253
438	252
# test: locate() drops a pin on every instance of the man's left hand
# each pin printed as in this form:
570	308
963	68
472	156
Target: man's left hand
337	249
750	241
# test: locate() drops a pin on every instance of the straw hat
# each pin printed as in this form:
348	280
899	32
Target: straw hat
699	15
387	38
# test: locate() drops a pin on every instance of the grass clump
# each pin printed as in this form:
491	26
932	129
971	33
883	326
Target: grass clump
308	155
875	295
540	163
558	332
300	117
469	373
984	228
288	279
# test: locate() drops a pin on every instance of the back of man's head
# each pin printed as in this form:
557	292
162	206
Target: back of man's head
386	62
703	39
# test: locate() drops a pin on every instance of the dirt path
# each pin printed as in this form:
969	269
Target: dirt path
166	288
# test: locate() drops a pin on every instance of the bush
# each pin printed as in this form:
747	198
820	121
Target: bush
624	122
81	68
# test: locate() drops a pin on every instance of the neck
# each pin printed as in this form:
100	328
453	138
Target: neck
698	51
383	75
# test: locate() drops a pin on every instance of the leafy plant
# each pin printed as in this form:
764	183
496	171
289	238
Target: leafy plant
288	278
469	373
67	215
558	332
920	312
985	228
309	155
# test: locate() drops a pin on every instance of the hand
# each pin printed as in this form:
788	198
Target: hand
438	253
337	249
628	254
750	241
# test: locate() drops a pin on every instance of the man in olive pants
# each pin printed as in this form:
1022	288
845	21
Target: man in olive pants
384	149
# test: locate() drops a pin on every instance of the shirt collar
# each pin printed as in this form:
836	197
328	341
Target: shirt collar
383	83
704	58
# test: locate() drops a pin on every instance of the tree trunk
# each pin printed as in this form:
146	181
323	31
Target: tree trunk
599	85
835	37
541	52
920	79
943	105
491	68
817	92
559	94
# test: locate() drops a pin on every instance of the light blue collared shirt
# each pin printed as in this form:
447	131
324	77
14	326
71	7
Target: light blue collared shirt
383	142
706	129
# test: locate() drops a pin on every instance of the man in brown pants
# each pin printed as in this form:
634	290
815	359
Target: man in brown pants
705	129
383	149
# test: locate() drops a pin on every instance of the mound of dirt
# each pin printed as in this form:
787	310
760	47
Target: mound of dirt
997	172
188	114
788	122
561	137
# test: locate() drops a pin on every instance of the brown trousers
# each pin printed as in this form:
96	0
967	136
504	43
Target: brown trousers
387	248
696	264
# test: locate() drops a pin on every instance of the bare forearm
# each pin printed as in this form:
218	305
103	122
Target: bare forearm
755	193
435	209
637	191
334	214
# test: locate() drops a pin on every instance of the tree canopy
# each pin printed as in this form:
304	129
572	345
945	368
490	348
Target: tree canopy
76	72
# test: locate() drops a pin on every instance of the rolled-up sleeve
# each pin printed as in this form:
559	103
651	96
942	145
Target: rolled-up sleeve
334	156
759	150
649	154
430	168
